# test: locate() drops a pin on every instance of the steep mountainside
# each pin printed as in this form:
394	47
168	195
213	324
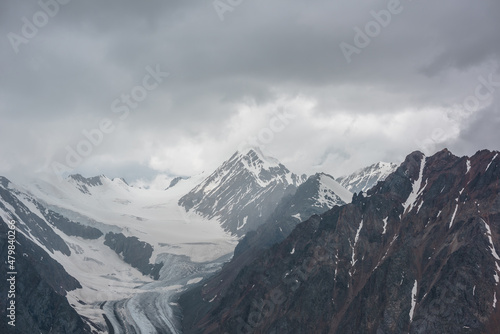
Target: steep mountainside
41	283
315	196
243	192
318	194
418	254
366	178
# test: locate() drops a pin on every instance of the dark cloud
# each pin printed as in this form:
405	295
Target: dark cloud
480	132
422	63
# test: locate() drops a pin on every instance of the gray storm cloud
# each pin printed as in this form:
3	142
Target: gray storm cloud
233	65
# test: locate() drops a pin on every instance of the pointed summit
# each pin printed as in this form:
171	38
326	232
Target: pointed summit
243	191
255	154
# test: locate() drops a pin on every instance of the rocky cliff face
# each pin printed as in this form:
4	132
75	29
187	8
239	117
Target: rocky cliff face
317	195
417	254
134	252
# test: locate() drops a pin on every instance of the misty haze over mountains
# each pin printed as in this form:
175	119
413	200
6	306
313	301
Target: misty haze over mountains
113	247
249	167
117	258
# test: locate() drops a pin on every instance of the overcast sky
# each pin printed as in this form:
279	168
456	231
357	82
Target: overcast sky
321	85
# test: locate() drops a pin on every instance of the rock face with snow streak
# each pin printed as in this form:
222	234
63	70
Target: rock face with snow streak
366	178
315	196
243	192
417	254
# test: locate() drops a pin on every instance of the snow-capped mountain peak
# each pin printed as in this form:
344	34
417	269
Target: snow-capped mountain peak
246	184
256	161
365	178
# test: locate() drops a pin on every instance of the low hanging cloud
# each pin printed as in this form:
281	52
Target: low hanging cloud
403	89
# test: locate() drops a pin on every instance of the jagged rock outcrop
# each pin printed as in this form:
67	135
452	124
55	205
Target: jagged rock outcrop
134	252
70	227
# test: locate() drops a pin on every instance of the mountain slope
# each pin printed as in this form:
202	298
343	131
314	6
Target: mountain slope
365	178
41	283
105	252
315	196
243	191
418	254
318	194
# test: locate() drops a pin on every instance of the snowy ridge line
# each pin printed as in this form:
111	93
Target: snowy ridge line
365	178
488	167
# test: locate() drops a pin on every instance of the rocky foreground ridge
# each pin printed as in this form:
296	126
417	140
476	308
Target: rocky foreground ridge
416	254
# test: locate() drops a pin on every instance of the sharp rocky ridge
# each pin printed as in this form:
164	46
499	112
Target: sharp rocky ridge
243	192
418	253
412	249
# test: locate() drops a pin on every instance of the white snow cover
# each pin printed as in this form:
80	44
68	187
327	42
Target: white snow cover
195	280
267	162
454	214
150	214
385	225
492	245
263	163
413	300
153	216
410	202
245	219
487	167
357	232
468	166
328	182
356	238
364	178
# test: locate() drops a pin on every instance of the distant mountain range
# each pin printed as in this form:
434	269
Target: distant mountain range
245	190
415	254
389	249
